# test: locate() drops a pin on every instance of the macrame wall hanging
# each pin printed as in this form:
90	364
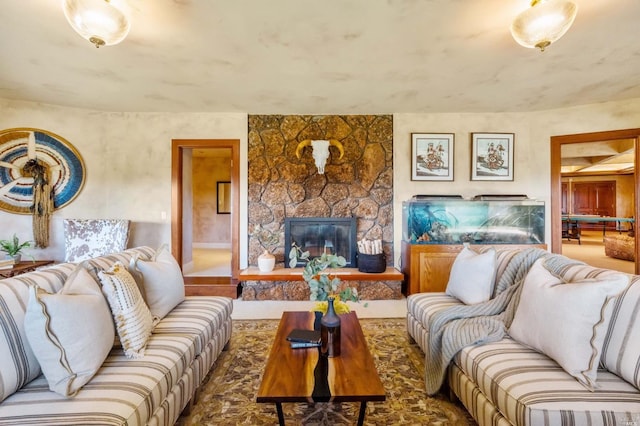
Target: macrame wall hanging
39	172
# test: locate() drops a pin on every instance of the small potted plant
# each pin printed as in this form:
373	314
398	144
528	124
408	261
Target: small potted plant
13	247
322	284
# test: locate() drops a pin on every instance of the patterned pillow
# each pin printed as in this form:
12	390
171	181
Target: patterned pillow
133	319
85	239
162	282
71	332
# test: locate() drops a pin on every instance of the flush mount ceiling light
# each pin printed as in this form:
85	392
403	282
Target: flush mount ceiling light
102	22
543	23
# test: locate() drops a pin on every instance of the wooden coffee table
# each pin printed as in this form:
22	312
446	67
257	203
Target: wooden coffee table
303	375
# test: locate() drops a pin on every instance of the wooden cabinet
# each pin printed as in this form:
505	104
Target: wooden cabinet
426	267
594	198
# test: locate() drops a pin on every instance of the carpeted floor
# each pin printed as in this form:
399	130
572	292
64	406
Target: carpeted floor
229	393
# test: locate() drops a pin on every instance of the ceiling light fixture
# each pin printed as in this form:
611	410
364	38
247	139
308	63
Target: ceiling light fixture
543	23
102	22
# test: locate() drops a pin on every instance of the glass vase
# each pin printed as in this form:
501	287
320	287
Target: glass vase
330	331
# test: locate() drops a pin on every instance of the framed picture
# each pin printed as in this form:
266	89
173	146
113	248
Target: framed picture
492	156
224	197
432	156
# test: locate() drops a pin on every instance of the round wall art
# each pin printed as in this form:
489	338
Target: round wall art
65	167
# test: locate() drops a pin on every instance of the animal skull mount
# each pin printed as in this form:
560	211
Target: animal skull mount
320	151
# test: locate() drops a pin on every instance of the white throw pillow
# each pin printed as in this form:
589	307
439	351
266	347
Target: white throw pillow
132	317
71	332
567	321
472	276
162	282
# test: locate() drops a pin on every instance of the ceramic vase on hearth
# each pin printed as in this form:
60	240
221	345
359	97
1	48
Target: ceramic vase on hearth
330	331
266	262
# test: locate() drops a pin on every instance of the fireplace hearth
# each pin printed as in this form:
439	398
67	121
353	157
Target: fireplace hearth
319	235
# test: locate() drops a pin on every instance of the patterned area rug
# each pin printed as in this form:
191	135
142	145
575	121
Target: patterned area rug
229	392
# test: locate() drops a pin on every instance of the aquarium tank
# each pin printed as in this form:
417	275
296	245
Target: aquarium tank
482	220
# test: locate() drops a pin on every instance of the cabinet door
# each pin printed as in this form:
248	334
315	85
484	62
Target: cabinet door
595	198
434	271
584	199
605	194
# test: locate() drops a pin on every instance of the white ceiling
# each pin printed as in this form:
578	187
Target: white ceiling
615	156
319	57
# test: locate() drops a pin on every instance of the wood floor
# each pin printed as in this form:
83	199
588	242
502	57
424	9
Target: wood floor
210	262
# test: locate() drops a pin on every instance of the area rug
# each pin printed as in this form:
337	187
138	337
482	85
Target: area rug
228	396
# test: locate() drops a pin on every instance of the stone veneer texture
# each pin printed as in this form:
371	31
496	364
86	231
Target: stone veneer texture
281	185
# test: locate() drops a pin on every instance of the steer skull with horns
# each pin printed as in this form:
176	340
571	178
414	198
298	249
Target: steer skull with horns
320	151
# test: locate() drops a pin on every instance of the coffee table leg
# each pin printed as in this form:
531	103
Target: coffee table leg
280	414
363	410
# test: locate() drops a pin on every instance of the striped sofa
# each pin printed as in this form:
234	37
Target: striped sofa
151	390
508	383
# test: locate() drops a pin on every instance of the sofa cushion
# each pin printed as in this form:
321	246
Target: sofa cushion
621	349
18	363
198	316
162	282
472	276
130	391
567	321
132	317
420	309
530	389
126	391
71	332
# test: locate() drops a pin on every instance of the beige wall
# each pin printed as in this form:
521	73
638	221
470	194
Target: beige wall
533	131
128	161
128	158
210	229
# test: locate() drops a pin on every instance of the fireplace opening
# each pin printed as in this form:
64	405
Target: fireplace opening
319	235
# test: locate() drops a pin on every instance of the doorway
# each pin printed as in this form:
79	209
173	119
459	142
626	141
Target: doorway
205	214
557	197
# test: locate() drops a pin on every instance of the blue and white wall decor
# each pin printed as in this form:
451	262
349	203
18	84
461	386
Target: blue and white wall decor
66	170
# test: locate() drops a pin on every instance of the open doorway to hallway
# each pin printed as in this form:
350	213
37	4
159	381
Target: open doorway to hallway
205	214
206	217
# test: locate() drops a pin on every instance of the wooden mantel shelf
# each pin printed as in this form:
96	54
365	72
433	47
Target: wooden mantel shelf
252	273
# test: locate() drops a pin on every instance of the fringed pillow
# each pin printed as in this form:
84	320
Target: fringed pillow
132	317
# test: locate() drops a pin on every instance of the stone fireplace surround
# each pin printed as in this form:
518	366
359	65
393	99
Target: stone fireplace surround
281	185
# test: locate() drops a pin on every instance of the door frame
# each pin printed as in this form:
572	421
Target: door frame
177	151
556	181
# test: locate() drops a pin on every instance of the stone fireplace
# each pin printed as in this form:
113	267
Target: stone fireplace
359	185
